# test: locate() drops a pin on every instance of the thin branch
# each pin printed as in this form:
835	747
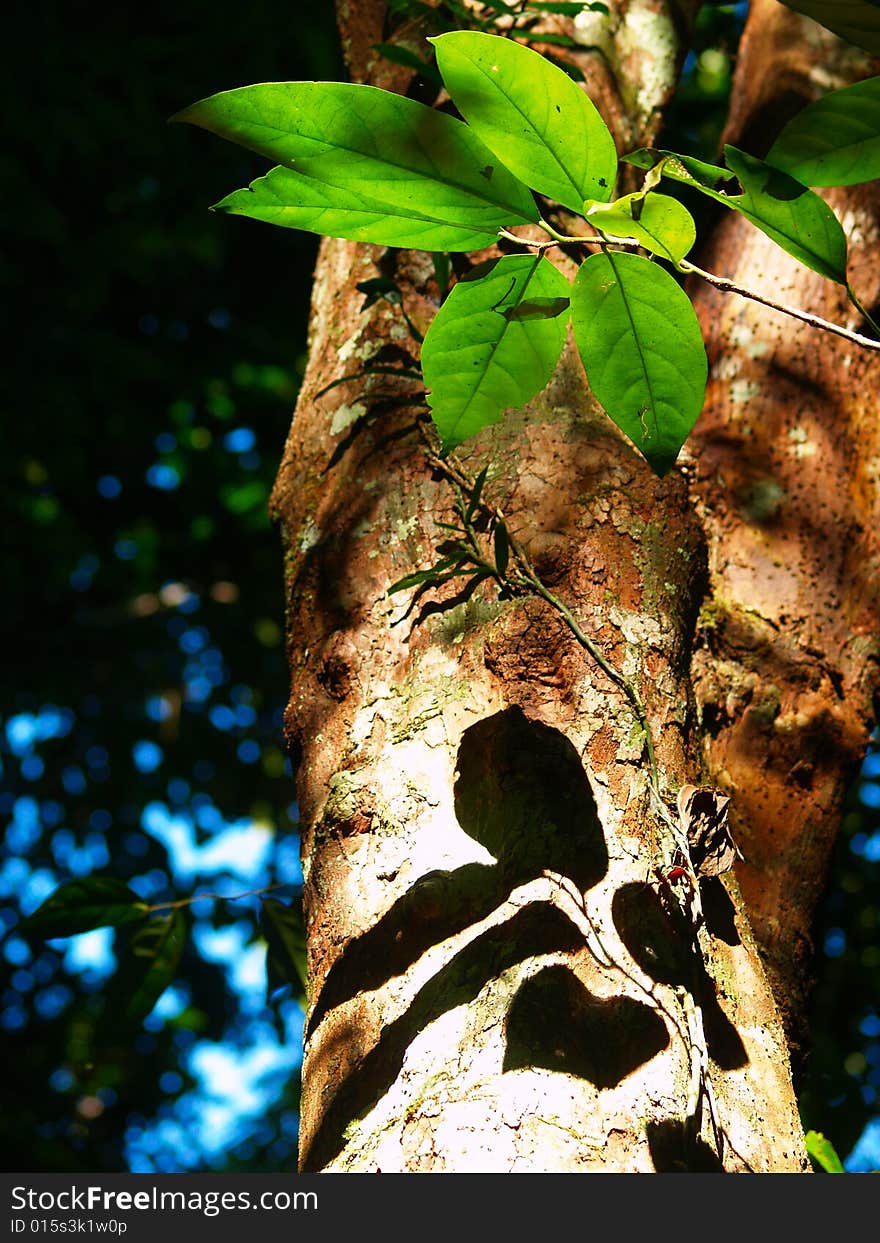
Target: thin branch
524	241
218	897
728	286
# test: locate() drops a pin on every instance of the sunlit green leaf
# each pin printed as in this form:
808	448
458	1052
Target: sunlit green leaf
793	216
282	926
365	164
684	168
857	21
823	1153
640	342
788	212
148	961
538	122
659	223
834	141
477	359
80	905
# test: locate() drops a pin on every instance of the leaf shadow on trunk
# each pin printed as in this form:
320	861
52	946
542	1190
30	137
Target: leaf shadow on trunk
536	929
558	1024
658	938
522	793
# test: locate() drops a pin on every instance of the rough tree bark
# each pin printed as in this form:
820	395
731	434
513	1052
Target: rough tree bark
499	979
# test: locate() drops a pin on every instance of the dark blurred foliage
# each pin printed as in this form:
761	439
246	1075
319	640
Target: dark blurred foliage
155	352
698	112
840	1093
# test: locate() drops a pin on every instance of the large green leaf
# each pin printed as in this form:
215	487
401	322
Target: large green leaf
285	934
359	155
834	141
857	21
641	346
793	216
285	198
537	121
660	223
787	211
148	960
81	905
494	343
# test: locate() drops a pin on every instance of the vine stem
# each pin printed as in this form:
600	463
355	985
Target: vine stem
530	580
595	652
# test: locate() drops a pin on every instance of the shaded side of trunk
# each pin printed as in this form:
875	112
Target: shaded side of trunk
785	460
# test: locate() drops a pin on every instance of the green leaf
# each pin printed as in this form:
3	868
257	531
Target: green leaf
421	577
282	926
793	216
81	905
857	21
640	342
822	1151
787	211
284	198
478	360
365	164
684	168
834	141
148	961
659	223
539	123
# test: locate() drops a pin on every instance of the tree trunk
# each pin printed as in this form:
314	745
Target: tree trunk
506	972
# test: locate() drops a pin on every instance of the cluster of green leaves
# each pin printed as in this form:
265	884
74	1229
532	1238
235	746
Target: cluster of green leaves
150	951
368	165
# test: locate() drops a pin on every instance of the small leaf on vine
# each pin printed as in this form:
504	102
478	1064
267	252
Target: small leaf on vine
502	549
81	905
